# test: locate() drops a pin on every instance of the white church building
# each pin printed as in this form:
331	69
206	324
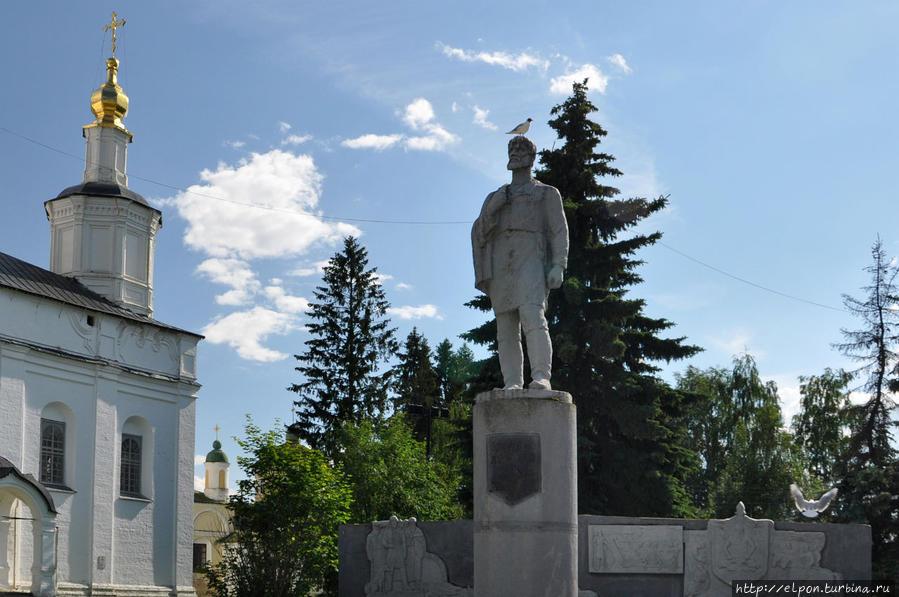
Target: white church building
97	398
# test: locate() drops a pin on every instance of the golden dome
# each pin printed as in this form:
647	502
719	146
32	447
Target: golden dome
109	103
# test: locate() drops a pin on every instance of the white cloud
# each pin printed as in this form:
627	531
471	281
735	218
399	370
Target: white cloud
382	277
199	459
415	312
480	118
264	206
420	117
199	483
403	286
419	113
245	330
370	141
789	394
260	207
619	61
437	139
454	107
283	126
314	269
235	273
284	302
235	144
295	139
562	84
515	62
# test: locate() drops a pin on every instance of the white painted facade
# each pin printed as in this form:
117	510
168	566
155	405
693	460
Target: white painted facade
109	373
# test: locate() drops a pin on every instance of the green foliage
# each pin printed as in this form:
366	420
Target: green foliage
417	394
874	347
870	469
736	427
285	517
350	340
390	474
820	430
455	369
631	459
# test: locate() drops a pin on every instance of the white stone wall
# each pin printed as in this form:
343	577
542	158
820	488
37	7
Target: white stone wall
108	244
98	377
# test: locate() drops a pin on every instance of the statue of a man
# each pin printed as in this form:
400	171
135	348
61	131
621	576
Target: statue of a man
520	246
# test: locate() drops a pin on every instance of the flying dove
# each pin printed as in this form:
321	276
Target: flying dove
812	509
521	128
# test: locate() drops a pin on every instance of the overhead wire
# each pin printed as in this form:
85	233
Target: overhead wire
406	222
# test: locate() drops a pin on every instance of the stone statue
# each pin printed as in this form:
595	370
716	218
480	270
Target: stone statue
520	247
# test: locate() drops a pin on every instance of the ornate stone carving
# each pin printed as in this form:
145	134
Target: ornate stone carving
639	549
697	577
797	556
401	565
133	341
747	549
739	546
87	333
513	466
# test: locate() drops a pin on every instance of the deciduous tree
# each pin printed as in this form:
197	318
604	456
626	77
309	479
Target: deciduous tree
285	516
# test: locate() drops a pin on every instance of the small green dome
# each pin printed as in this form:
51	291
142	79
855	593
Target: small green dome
217	455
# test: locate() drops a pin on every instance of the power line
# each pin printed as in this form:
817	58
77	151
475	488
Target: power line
404	222
745	281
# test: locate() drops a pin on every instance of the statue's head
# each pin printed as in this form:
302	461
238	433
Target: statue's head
522	153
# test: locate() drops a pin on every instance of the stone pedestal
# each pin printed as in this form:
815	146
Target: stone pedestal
525	494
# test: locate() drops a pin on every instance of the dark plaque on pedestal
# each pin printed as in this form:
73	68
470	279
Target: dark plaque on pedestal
513	466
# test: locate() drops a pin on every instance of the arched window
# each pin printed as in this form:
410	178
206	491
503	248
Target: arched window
56	465
136	459
53	452
131	465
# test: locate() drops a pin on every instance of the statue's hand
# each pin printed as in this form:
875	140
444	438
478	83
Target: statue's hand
554	277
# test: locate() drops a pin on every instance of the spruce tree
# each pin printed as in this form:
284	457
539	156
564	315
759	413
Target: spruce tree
870	470
350	340
631	454
417	392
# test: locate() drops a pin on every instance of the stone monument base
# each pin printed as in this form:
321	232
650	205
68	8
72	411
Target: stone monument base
525	494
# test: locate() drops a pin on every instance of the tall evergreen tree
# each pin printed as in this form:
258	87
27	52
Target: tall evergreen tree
455	370
350	340
875	347
631	458
870	472
417	392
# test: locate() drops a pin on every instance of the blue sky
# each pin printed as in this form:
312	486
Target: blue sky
771	125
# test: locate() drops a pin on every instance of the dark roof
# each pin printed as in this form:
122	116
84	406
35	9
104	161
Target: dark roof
24	277
202	498
8	468
103	189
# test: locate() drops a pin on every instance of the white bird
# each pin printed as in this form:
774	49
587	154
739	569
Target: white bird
521	128
812	509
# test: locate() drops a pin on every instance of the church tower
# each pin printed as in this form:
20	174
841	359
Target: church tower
101	232
217	466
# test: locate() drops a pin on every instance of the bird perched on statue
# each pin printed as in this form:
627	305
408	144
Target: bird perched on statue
521	128
812	509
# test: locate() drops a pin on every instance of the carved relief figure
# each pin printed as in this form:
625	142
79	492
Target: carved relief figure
520	249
